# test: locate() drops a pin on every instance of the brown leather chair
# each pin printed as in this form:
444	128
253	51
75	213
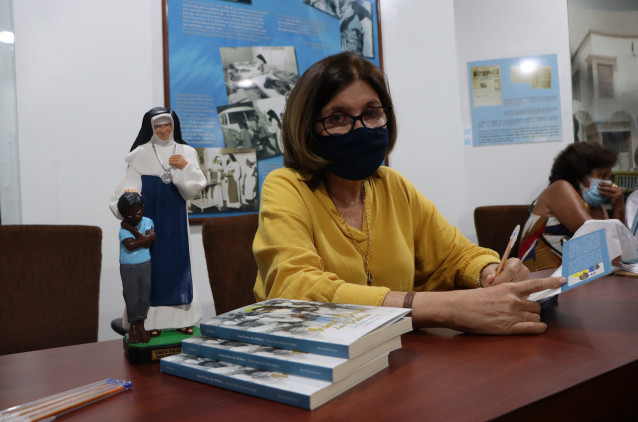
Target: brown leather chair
49	285
228	246
494	225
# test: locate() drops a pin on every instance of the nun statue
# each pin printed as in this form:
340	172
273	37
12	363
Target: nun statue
165	170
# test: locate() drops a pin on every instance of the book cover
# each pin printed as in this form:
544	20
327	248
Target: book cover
332	329
585	258
307	393
293	362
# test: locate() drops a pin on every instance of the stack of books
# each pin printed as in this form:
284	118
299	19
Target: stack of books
291	351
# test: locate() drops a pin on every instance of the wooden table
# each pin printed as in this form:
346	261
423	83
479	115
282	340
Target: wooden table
585	367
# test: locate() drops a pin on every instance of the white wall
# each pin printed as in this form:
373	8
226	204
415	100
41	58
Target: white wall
87	72
516	173
9	168
426	46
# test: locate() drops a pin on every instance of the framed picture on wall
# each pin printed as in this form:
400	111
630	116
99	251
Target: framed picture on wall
515	100
229	66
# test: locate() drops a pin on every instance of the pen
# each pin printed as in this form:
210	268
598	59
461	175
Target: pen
513	238
47	408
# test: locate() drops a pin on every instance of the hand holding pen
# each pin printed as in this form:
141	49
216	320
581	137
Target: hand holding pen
508	269
510	244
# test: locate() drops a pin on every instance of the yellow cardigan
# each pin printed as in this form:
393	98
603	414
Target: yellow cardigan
303	251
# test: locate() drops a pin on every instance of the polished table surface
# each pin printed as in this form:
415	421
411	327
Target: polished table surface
585	367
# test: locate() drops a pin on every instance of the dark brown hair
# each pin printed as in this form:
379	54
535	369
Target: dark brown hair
578	160
316	87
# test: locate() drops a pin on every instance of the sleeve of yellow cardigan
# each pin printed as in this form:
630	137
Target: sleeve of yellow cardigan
450	262
288	263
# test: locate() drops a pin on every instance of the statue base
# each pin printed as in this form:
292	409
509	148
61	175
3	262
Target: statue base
169	342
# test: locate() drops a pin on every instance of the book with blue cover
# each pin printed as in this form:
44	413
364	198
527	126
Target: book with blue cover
331	329
292	362
307	393
585	258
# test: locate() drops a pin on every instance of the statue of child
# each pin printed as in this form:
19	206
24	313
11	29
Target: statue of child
136	237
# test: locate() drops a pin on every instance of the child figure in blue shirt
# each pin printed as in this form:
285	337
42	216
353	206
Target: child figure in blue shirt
136	237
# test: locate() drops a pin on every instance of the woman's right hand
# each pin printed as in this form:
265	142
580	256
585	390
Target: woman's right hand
177	161
501	309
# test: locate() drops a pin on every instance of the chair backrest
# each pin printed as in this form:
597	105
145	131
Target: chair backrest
232	270
49	286
494	225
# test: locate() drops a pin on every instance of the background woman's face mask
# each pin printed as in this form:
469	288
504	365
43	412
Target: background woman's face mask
591	195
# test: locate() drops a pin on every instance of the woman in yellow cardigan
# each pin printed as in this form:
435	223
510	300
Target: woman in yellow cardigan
336	226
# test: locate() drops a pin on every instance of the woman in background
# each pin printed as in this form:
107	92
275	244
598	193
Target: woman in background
579	183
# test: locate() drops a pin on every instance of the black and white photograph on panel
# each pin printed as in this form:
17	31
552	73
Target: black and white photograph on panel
231	175
254	124
253	73
331	7
356	27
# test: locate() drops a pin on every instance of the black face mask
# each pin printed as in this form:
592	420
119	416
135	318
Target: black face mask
355	155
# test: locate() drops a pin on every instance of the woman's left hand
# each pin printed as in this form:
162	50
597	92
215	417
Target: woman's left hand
513	270
178	161
611	190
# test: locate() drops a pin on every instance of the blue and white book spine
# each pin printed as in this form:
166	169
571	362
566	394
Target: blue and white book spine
273	340
330	329
307	393
199	372
293	362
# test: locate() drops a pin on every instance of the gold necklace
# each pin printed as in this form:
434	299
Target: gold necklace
366	257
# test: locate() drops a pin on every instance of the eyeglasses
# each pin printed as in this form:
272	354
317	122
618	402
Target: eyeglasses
341	123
